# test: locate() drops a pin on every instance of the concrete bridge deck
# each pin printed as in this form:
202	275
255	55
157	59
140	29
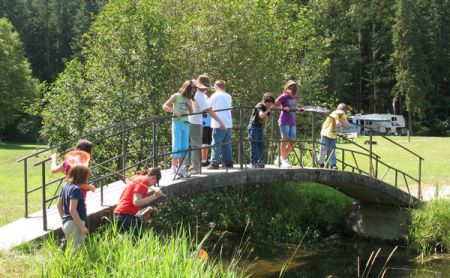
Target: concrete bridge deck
360	187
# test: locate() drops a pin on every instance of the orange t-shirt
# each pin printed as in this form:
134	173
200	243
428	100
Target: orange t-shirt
136	184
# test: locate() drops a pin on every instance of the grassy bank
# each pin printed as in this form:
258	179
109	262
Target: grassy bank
430	228
108	254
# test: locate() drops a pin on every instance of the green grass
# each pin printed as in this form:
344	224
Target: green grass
108	254
434	150
12	181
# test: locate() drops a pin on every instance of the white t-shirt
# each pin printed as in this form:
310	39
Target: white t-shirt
218	101
199	105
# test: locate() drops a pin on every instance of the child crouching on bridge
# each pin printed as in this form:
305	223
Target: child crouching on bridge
256	129
71	206
83	153
134	196
328	135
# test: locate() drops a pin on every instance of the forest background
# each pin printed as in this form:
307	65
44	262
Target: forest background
71	66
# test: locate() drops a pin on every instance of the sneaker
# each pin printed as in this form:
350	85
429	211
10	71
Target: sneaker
261	165
321	165
254	166
205	163
334	167
212	166
194	171
182	173
276	161
285	164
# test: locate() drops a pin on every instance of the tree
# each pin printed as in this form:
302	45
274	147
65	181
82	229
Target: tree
17	86
412	72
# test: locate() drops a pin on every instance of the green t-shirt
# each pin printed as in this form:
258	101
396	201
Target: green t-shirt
182	105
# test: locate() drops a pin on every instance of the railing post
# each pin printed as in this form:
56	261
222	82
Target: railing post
241	143
376	167
420	180
44	199
370	154
123	160
155	150
343	160
25	170
101	192
313	149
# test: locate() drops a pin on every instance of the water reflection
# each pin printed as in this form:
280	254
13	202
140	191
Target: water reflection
334	258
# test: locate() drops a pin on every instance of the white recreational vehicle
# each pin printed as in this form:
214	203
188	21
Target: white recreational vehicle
387	124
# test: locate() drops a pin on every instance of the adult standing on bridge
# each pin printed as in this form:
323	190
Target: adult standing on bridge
199	104
221	140
288	130
328	135
134	196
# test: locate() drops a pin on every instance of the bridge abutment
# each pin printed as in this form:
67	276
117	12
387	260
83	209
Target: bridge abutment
379	221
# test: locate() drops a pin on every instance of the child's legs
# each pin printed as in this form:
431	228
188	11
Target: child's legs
323	149
252	136
195	135
292	139
73	233
217	140
260	144
227	148
332	151
207	138
180	141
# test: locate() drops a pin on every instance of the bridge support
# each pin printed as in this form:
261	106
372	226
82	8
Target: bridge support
379	221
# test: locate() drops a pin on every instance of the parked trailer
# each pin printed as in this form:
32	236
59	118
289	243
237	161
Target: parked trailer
387	124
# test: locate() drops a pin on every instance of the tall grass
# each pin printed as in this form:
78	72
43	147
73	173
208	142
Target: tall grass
430	227
109	254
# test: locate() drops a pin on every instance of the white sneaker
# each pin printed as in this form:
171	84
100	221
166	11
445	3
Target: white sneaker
182	173
286	164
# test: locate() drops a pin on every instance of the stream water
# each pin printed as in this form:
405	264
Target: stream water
333	258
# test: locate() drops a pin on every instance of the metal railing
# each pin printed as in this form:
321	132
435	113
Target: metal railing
128	146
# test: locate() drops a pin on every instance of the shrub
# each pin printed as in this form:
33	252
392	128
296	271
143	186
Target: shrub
430	227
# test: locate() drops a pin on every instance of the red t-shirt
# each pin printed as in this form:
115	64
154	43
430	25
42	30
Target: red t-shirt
136	184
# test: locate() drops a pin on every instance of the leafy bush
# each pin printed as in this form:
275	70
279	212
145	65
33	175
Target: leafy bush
280	212
430	228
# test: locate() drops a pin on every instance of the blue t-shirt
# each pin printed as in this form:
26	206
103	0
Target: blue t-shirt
72	191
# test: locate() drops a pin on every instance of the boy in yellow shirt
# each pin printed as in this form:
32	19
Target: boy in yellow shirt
329	133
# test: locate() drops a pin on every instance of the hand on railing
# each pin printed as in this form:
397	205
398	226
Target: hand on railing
158	191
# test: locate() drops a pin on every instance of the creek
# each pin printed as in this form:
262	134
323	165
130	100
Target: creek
334	258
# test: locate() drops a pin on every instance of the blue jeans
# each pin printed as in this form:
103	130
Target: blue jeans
219	137
257	145
128	222
327	147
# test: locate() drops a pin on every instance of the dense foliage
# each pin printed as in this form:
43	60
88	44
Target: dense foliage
17	86
430	228
274	212
377	56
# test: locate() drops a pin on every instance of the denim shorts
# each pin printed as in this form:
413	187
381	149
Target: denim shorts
288	132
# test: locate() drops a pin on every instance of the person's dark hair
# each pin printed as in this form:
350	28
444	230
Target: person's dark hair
291	85
220	84
79	175
268	97
188	89
150	172
84	145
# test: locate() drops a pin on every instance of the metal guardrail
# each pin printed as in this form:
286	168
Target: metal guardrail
154	152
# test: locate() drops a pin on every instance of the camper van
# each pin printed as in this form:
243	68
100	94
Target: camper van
387	124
